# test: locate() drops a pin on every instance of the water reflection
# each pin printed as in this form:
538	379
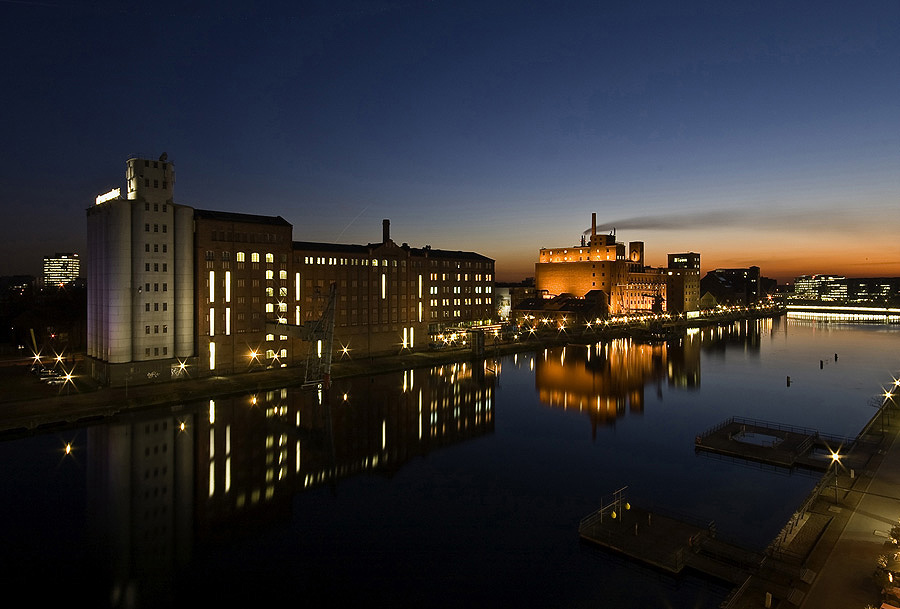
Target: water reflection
607	379
159	483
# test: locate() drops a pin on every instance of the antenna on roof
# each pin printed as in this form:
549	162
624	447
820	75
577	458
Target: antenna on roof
163	157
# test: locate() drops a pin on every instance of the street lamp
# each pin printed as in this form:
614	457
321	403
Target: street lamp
835	461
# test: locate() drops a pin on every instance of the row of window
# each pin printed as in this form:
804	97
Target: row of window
165	248
165	267
165	329
165	287
155	228
335	261
242	237
155	184
165	207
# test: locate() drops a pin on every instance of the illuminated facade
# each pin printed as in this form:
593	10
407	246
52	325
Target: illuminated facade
174	290
140	320
61	269
242	291
602	264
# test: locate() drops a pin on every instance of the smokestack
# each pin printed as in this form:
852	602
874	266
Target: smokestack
386	231
593	224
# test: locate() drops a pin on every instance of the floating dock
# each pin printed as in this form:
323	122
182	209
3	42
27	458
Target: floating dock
675	544
776	444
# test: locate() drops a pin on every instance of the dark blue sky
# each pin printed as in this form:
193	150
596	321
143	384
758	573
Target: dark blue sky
764	133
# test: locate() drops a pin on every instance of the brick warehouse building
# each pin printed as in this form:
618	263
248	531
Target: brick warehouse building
175	290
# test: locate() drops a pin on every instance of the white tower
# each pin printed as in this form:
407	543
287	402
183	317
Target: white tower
140	277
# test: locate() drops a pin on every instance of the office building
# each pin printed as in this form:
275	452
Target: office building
61	269
731	287
683	283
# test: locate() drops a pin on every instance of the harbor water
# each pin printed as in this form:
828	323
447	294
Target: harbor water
456	486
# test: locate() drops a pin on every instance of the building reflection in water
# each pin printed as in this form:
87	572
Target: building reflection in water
609	378
159	483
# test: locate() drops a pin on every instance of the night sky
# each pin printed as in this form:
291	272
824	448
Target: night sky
763	133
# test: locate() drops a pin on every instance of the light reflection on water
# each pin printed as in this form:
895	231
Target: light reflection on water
457	485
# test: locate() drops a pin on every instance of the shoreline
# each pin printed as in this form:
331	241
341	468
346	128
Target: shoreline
24	410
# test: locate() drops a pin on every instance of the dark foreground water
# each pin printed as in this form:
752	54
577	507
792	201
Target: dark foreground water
460	486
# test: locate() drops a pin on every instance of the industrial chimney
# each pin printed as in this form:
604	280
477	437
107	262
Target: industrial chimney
386	231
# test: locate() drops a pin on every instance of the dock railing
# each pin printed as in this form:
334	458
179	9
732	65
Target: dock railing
773	426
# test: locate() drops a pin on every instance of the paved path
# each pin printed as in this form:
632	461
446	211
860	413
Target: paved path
846	577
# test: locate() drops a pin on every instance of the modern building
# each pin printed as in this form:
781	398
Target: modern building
602	264
61	269
735	287
837	288
174	290
683	283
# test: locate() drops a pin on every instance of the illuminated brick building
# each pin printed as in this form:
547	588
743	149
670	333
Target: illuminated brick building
177	291
602	264
243	278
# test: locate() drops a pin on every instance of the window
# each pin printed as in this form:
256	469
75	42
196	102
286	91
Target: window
254	257
270	258
146	329
146	228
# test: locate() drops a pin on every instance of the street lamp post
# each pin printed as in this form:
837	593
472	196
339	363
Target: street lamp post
835	461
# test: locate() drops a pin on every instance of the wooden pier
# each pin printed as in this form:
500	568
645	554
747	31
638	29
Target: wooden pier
675	544
776	444
669	543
